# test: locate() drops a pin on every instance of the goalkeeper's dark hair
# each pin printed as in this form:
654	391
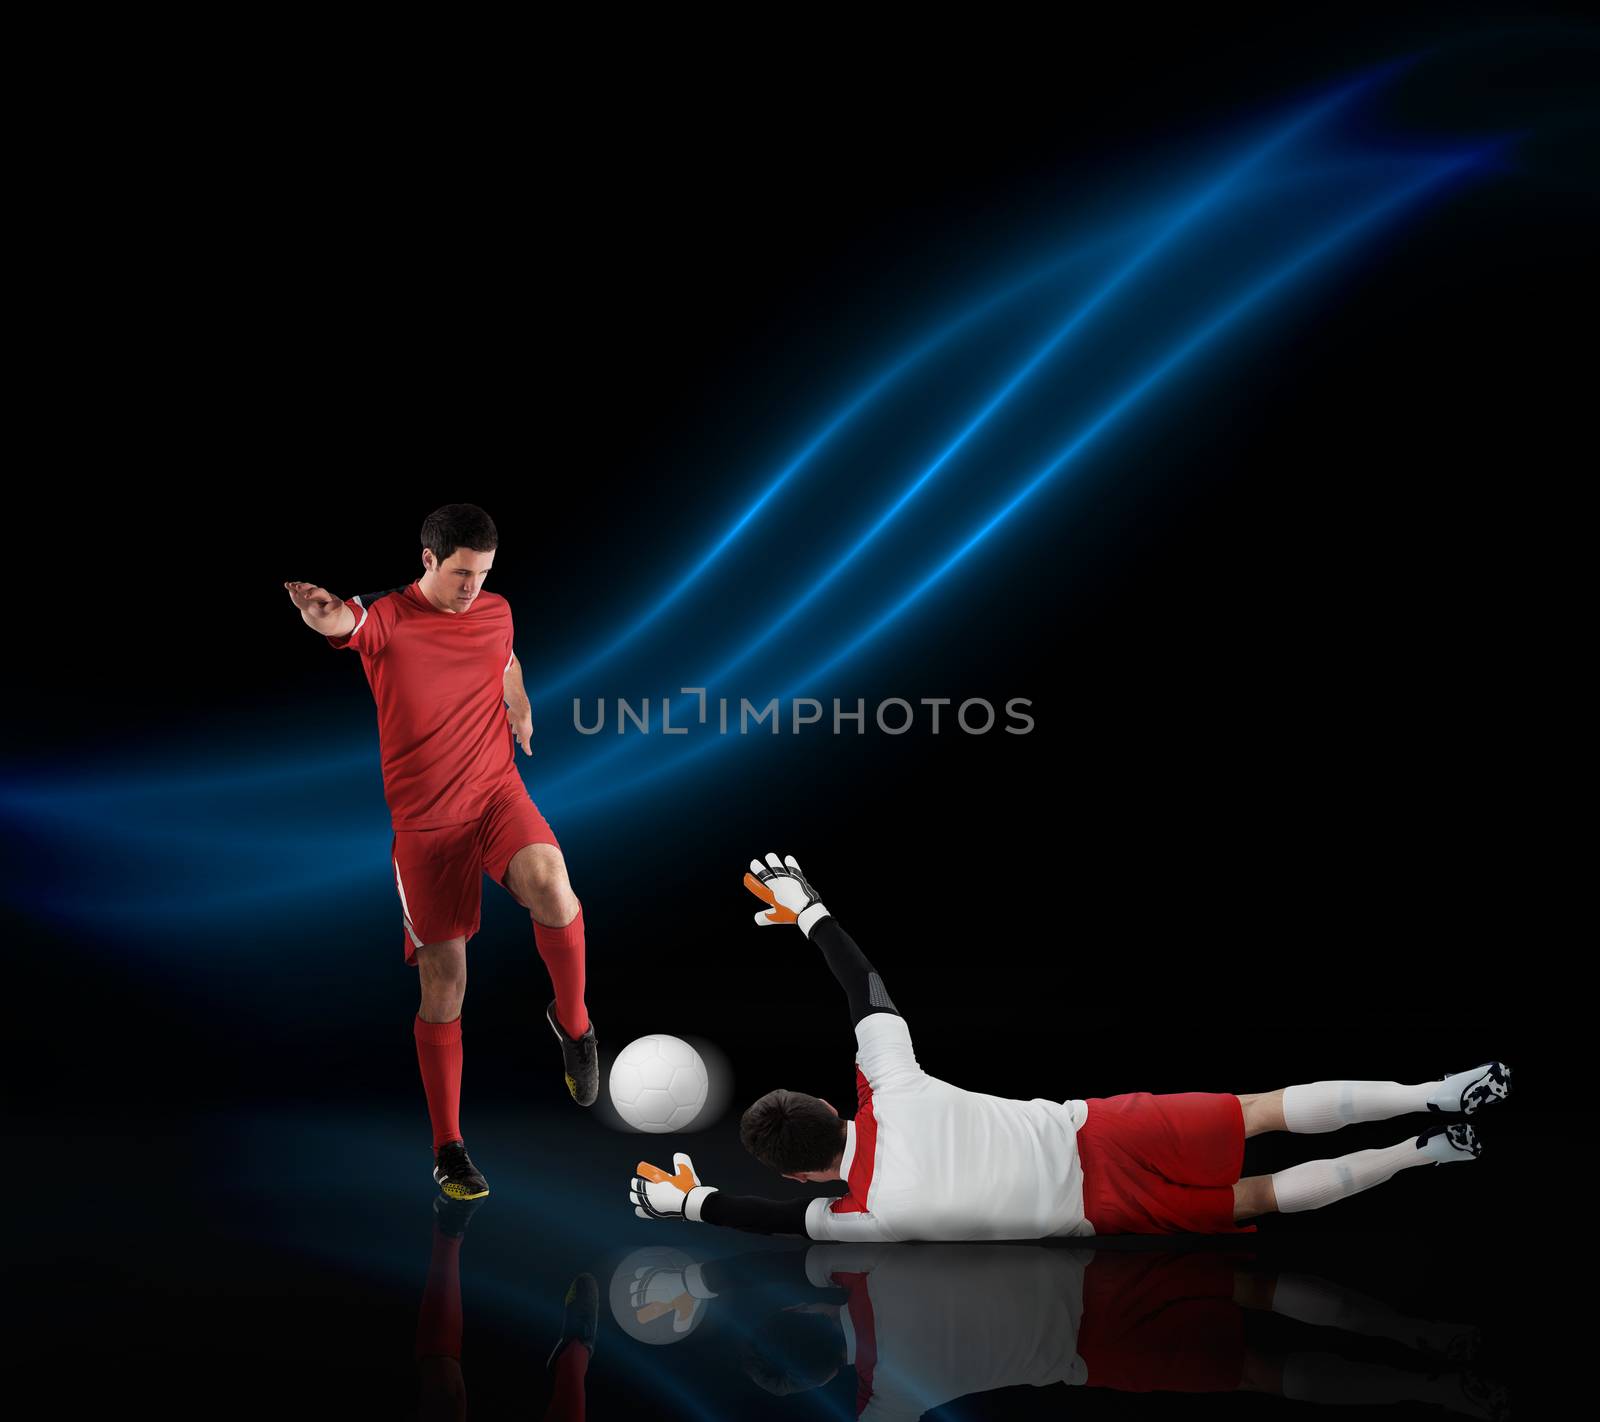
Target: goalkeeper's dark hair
791	1132
459	526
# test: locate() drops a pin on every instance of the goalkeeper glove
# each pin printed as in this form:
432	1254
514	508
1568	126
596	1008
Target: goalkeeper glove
780	883
669	1288
659	1196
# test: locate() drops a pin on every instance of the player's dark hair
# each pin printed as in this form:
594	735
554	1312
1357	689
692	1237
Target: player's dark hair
791	1132
459	526
793	1352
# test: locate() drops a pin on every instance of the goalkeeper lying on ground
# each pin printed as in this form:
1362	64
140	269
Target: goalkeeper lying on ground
927	1160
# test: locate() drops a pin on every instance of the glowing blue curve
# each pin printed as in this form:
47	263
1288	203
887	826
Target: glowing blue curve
1130	396
179	903
914	357
221	823
23	789
1187	214
1201	336
1196	206
31	801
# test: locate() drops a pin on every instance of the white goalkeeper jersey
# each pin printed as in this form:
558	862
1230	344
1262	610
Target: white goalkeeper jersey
923	1327
927	1160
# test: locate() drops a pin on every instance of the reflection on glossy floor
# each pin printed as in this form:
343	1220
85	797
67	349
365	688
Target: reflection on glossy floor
913	1327
322	1274
919	1326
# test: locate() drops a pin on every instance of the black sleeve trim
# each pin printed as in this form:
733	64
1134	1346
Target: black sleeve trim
753	1213
859	979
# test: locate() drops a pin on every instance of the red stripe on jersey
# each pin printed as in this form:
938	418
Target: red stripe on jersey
860	1176
860	1306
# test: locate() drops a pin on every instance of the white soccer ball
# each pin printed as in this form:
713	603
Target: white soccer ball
658	1083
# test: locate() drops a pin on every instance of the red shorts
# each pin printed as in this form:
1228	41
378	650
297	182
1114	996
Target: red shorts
439	872
1161	1322
1162	1164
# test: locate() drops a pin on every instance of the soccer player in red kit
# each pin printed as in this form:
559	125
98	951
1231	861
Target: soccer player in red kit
448	687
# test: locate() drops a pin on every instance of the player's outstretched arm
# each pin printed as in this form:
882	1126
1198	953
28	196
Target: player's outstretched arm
320	610
681	1196
780	883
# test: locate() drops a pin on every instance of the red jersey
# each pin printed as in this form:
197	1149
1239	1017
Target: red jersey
439	682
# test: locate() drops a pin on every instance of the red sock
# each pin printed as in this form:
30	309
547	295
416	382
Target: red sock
439	1319
439	1056
567	1402
562	951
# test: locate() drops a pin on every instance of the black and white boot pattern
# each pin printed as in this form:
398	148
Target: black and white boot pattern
1453	1141
1490	1082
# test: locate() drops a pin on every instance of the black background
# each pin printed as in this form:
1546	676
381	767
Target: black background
1298	679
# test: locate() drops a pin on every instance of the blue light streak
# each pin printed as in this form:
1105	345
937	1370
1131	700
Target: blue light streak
1131	396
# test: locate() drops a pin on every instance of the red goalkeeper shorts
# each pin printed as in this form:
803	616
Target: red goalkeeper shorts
1161	1322
438	873
1162	1164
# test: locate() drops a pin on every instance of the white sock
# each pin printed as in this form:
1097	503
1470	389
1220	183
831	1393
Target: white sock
1328	1105
1324	1304
1333	1381
1316	1183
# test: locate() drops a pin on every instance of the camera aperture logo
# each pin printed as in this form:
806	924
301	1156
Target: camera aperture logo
892	716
